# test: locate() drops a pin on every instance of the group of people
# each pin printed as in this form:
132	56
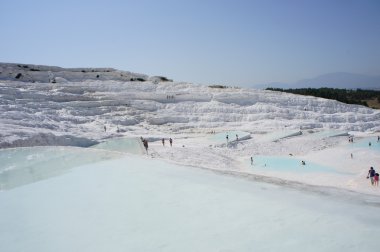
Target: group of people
170	141
117	128
145	142
351	140
237	137
373	176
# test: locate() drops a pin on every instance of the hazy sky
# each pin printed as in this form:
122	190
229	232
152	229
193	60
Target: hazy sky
202	41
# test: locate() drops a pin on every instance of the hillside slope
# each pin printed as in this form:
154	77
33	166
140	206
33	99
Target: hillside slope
78	113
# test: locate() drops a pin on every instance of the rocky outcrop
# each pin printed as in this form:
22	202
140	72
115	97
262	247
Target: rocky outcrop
53	74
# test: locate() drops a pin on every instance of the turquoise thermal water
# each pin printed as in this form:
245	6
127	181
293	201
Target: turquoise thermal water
364	143
130	145
288	164
20	166
328	133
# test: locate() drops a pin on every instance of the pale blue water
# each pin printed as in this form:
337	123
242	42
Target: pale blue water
289	164
140	204
274	136
364	143
20	166
130	145
328	133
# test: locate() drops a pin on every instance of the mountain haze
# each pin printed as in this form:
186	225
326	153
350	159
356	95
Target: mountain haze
341	80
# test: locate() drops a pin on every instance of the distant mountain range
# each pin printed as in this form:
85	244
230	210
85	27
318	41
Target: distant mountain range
46	74
332	80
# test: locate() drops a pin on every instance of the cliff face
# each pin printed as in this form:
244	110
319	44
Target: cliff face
53	74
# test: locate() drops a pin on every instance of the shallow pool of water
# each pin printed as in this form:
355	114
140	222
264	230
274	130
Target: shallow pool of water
364	143
130	145
20	166
328	133
275	136
288	164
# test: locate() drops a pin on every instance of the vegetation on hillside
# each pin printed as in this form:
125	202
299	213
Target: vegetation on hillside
359	96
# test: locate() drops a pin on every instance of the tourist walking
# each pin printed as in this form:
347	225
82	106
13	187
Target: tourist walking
371	175
145	142
171	142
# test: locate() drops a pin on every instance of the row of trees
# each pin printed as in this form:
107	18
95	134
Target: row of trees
349	96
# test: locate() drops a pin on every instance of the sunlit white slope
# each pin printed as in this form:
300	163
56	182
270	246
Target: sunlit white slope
33	113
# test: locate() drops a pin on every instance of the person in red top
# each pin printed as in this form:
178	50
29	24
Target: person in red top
376	178
371	175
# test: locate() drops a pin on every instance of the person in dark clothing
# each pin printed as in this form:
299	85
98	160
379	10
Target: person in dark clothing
163	141
371	175
145	142
171	142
